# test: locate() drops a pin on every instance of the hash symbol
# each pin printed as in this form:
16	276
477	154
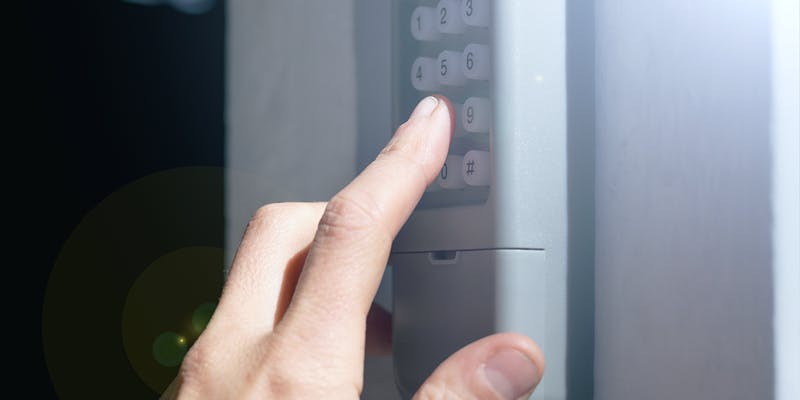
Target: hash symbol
470	167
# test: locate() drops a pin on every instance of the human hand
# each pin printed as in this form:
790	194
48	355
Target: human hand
292	321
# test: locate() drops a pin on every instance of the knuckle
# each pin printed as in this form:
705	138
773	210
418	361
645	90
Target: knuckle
269	212
348	218
436	391
198	366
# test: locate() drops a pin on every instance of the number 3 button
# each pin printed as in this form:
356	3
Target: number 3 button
475	12
476	115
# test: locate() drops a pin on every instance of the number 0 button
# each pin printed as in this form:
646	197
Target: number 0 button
476	61
448	17
423	74
450	175
423	24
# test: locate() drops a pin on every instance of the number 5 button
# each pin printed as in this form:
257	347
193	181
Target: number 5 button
476	61
448	71
423	74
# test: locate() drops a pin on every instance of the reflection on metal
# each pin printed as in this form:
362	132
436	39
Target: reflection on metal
186	6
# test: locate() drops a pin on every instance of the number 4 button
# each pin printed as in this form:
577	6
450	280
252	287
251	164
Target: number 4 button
423	74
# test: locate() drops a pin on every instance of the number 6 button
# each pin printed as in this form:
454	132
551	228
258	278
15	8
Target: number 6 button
476	61
423	74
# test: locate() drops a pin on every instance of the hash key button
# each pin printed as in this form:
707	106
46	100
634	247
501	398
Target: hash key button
476	168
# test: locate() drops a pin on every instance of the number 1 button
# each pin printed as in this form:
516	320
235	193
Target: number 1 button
423	24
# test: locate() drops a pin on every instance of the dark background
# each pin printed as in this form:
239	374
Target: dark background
110	93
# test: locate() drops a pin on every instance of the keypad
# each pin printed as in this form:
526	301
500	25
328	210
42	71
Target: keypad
445	45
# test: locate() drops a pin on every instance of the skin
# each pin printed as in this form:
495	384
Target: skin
296	318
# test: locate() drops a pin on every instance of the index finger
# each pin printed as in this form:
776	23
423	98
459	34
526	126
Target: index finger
354	236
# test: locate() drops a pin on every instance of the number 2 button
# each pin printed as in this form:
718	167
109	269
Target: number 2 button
448	18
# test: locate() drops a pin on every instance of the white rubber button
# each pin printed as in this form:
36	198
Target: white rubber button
476	61
476	12
423	24
450	177
448	17
476	168
476	115
423	74
448	69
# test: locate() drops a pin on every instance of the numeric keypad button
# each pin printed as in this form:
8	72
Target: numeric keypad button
475	61
476	12
423	24
476	115
476	168
450	176
448	17
424	73
448	70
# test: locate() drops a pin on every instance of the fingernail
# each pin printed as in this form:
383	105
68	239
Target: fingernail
425	107
511	374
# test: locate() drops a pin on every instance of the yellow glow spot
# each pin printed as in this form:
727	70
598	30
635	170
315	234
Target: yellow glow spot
181	340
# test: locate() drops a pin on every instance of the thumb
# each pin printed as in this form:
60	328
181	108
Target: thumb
505	366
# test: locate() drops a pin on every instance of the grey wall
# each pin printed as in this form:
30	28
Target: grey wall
294	83
683	264
683	229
